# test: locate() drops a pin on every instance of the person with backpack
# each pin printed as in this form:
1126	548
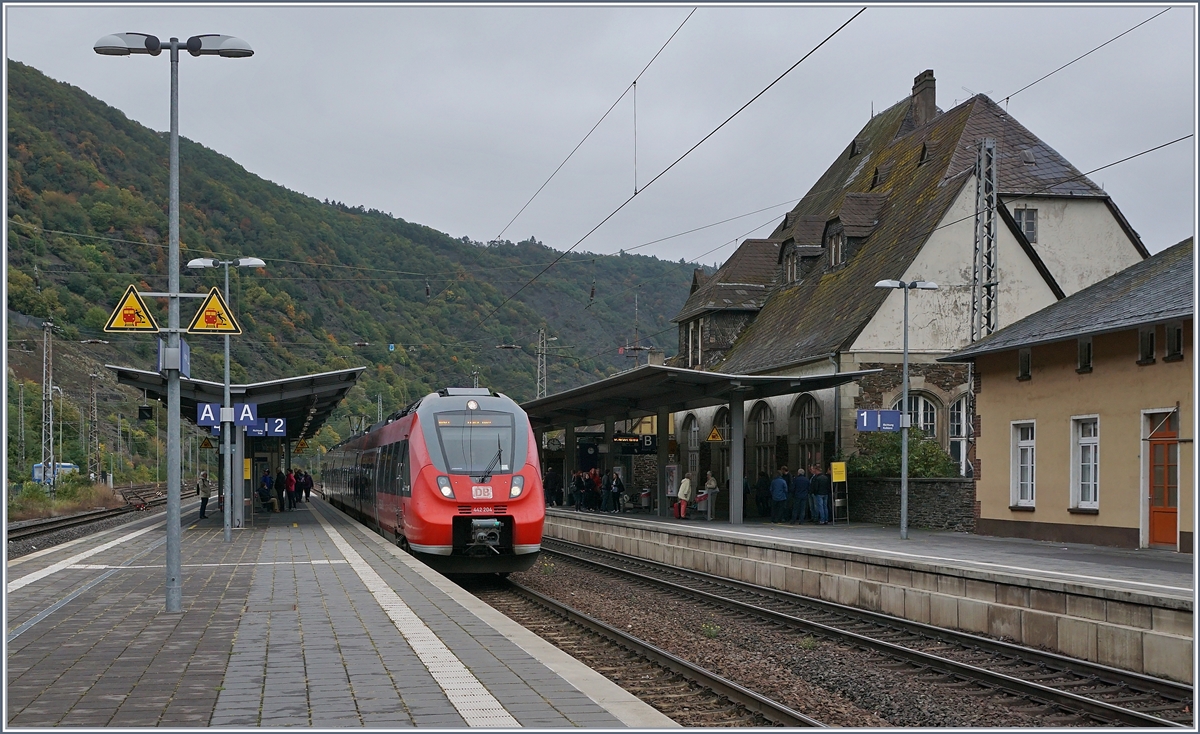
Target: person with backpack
799	498
617	489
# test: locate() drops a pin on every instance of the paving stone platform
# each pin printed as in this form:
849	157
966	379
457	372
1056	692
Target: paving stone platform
306	619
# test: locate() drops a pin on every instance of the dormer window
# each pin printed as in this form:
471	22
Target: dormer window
835	245
1027	157
875	178
856	146
925	154
790	267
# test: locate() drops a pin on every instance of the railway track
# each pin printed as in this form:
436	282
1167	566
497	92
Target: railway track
36	528
1059	689
688	694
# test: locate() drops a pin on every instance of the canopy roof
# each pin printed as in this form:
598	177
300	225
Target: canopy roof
644	390
306	401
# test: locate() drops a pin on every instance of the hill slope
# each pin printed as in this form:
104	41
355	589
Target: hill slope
88	216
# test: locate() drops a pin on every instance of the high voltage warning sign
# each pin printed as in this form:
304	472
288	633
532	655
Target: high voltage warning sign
131	314
214	317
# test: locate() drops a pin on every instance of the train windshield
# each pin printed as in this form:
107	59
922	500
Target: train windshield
477	442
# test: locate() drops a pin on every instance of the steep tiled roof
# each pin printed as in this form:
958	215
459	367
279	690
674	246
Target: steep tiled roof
825	311
742	283
1151	291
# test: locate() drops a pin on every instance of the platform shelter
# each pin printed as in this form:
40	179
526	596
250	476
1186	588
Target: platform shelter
304	402
658	390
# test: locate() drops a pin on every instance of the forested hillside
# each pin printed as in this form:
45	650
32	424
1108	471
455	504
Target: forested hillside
87	205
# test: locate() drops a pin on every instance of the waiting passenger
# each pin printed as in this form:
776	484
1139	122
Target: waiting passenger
779	496
799	498
820	487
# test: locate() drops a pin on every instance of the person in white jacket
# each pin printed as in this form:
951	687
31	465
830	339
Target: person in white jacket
685	496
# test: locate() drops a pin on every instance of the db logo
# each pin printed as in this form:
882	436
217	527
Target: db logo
481	493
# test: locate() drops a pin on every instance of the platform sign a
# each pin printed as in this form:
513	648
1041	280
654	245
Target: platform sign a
131	314
214	317
208	414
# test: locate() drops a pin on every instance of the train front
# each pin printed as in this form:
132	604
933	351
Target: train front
477	504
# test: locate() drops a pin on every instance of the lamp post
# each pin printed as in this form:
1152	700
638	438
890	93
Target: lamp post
226	405
124	44
905	419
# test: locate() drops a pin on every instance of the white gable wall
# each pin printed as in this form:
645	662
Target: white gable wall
1079	240
940	321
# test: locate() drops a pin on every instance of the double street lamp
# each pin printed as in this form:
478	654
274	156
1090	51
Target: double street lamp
905	419
226	405
124	44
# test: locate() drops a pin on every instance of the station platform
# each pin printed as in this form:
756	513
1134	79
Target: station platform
1131	609
307	619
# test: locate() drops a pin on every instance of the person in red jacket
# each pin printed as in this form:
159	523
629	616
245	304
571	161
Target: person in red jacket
290	486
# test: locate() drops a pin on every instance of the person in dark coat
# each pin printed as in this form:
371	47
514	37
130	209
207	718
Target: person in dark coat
762	494
821	488
280	487
552	488
799	498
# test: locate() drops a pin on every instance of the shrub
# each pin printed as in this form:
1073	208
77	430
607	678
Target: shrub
879	456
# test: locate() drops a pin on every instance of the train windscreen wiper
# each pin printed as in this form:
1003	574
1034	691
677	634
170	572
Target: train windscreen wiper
487	473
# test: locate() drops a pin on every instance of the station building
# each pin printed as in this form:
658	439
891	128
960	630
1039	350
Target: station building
899	202
1085	413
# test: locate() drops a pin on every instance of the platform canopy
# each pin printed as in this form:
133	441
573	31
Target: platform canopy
306	401
644	390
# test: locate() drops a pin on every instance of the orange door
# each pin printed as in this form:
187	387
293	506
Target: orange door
1164	492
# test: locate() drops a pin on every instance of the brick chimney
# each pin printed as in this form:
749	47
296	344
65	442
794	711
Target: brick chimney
924	98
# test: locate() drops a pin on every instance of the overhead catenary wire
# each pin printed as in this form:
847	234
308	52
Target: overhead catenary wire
674	163
632	85
1077	58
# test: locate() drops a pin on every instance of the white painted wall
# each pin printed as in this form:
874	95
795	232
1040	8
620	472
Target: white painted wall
940	321
1079	240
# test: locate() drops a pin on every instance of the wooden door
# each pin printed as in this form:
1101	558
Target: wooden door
1164	491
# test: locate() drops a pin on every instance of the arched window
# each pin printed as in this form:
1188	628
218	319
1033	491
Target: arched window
812	438
960	430
691	429
922	412
763	420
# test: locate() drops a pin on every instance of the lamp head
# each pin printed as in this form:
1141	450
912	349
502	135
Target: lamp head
889	284
124	44
203	262
249	262
924	285
214	44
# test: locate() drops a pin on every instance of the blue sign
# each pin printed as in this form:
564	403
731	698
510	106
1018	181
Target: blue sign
258	429
208	414
877	420
245	414
277	427
391	347
216	431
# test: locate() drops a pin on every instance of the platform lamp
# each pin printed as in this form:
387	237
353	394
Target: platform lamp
124	44
905	420
226	405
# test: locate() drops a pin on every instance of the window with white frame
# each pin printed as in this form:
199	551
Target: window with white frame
1024	465
1085	464
959	425
922	412
1027	222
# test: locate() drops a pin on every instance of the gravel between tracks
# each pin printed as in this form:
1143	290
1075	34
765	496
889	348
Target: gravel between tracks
25	546
832	682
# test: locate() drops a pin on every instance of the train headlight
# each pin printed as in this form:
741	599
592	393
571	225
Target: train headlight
518	485
445	488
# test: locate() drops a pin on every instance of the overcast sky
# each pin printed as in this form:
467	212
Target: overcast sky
453	117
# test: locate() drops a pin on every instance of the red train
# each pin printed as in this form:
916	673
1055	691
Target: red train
453	478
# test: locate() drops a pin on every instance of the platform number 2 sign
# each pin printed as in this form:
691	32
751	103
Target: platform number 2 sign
277	426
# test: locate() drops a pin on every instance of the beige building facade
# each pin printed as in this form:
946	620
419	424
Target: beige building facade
1085	414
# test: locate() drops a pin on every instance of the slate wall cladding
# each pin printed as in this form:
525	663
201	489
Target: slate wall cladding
645	472
937	504
721	329
872	389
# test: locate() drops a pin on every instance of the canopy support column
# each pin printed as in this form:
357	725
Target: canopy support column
569	453
737	458
664	439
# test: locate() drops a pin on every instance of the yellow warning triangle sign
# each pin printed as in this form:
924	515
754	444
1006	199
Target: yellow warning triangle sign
301	445
206	444
131	314
715	435
214	317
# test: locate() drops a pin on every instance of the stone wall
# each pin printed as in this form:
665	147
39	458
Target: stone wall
938	504
944	379
645	472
